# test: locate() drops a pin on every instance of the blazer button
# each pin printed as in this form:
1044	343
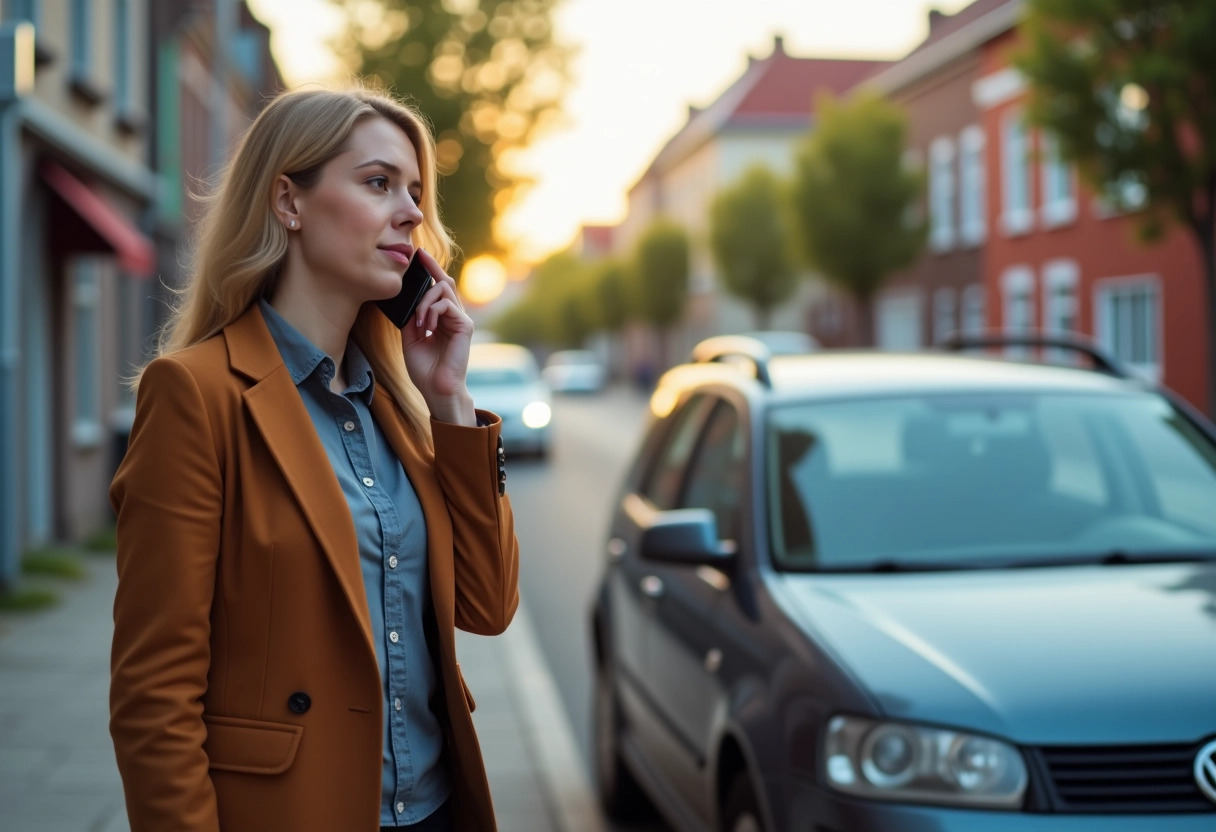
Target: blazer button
299	702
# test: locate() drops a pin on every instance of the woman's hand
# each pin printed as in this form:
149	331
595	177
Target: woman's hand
437	362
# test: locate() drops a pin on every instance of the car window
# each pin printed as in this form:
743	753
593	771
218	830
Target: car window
961	478
715	473
662	483
1184	480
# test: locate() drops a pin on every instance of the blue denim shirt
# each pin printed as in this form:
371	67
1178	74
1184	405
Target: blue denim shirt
392	552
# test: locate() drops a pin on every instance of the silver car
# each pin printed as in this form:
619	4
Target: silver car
505	378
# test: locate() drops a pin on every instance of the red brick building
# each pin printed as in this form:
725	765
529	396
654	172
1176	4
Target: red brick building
1060	258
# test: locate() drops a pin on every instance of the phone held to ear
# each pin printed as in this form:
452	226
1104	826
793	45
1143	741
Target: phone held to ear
414	284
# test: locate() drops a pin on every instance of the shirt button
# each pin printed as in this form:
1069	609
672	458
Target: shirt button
397	704
393	637
369	482
348	426
400	807
392	561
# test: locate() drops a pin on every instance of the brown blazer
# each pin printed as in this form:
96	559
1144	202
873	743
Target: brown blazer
240	586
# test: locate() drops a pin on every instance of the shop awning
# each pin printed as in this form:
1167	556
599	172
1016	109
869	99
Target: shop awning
110	229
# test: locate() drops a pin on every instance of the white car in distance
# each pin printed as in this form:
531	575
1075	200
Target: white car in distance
505	379
574	371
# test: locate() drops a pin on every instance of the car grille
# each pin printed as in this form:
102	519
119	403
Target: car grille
1134	778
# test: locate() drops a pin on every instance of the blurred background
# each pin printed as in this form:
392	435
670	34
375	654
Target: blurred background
624	179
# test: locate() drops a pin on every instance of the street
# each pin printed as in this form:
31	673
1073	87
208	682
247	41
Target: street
562	512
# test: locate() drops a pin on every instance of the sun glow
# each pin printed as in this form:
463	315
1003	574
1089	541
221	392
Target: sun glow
482	280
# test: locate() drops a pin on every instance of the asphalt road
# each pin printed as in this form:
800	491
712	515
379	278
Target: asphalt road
562	507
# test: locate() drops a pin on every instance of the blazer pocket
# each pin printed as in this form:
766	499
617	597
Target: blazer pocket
250	746
468	694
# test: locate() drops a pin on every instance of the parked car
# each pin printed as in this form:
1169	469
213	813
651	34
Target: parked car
865	592
505	378
574	371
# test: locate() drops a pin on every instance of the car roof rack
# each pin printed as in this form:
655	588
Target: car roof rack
730	349
1103	363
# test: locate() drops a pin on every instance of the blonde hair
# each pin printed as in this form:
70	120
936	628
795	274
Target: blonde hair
241	245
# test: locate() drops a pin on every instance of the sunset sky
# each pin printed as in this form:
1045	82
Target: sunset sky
641	63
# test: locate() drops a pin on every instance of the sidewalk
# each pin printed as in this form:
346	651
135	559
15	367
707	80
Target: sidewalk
57	771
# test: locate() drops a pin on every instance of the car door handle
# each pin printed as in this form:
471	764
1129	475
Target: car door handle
652	586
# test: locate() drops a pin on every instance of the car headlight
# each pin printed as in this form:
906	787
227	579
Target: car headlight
537	415
899	761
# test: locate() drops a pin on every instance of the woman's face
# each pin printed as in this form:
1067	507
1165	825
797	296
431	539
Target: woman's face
356	223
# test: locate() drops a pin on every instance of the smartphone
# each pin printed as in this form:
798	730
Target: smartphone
414	284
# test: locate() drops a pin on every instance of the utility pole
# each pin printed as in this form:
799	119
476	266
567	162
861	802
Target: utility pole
16	79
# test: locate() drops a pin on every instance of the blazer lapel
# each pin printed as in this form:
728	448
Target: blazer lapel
278	412
434	509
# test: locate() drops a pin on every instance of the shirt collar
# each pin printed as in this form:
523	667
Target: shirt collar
302	357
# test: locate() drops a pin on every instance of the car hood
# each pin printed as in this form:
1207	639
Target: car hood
1067	655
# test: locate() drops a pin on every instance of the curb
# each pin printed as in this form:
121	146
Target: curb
546	728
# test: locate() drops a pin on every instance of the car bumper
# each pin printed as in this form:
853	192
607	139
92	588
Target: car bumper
811	809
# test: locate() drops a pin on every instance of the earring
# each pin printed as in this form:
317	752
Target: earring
291	223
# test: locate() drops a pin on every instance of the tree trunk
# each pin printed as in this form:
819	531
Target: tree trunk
864	319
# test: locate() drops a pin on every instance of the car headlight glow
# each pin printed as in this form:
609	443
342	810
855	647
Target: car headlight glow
537	415
900	761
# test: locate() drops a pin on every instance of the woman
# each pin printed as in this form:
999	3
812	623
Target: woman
309	504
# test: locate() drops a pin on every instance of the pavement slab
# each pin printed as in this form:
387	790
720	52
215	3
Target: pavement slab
57	769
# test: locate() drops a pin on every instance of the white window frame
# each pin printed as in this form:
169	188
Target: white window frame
81	28
913	161
914	298
974	311
124	60
1016	218
972	184
84	276
1107	323
945	313
1017	287
942	189
1059	184
1061	302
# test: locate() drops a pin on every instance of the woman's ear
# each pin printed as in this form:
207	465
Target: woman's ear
283	198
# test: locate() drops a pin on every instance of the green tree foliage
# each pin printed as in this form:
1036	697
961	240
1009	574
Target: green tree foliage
554	311
658	285
1128	87
486	73
520	324
750	239
854	198
608	295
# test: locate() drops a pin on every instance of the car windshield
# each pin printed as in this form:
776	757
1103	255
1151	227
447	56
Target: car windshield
496	376
988	480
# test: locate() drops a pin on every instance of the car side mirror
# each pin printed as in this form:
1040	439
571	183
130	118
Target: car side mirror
687	536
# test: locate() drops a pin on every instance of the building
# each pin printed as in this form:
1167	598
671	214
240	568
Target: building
204	97
95	155
758	120
944	291
1059	258
77	193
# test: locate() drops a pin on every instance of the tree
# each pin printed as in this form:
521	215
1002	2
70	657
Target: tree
1128	88
486	73
658	286
750	240
607	296
855	198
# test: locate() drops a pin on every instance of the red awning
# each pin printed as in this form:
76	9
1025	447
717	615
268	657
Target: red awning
136	253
